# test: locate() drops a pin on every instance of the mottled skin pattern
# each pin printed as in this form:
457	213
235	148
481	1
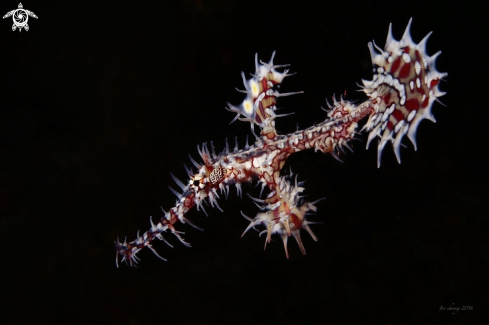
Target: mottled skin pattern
400	95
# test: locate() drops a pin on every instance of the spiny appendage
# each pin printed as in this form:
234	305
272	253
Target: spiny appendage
192	194
338	129
284	213
202	185
261	95
129	250
402	91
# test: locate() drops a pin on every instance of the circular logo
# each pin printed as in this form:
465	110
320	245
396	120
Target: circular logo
20	18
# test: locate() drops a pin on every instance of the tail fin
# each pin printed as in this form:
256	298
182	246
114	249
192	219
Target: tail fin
404	86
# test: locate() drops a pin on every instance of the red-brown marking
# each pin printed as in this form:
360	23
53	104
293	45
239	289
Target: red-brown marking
258	118
412	104
418	56
434	82
405	71
264	84
262	110
425	103
397	114
296	221
395	65
390	126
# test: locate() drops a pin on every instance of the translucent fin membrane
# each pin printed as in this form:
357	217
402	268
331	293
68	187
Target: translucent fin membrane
402	91
261	94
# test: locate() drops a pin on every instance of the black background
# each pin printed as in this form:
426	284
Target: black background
101	100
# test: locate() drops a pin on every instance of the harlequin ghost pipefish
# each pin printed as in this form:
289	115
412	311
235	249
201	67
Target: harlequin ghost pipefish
400	95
